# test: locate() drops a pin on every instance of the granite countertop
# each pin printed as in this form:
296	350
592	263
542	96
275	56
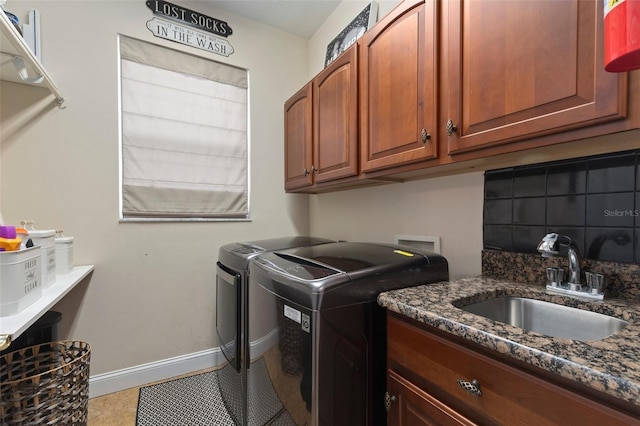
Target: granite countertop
610	365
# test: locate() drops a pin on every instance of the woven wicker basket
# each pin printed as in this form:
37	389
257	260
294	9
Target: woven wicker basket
45	384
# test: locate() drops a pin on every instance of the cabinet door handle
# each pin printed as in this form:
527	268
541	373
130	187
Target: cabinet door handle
451	128
313	169
425	135
388	400
306	172
473	387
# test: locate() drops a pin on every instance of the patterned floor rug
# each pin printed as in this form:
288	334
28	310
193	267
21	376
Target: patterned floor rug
190	401
197	401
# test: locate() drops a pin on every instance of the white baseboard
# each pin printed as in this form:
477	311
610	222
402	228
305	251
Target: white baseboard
139	375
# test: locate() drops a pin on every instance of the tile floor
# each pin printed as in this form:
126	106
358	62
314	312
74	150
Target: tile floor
115	409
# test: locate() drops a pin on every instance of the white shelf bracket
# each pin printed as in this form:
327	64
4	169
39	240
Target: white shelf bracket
25	52
21	68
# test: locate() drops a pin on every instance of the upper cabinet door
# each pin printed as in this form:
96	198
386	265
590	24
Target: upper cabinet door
298	139
519	69
398	87
335	117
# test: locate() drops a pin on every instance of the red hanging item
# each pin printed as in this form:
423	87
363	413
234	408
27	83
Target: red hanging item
621	35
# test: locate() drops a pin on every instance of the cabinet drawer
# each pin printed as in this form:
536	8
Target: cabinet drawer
413	406
509	395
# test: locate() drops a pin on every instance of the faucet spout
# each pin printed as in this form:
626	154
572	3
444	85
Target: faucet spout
574	265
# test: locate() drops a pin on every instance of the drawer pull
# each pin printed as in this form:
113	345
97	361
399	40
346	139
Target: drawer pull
450	127
473	387
388	400
425	135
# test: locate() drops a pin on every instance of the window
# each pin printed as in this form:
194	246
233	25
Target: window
184	139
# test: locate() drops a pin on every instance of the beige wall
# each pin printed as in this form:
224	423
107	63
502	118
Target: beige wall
151	296
448	207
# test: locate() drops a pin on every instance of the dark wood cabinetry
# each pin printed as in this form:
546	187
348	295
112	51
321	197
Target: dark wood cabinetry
516	70
321	126
447	86
298	139
398	95
335	112
432	380
410	405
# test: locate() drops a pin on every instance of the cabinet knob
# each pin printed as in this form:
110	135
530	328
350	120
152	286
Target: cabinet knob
313	169
306	172
451	128
425	135
388	400
473	387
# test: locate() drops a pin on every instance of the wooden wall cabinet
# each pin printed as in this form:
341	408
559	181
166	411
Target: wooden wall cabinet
449	85
516	70
298	139
321	126
335	118
427	371
398	100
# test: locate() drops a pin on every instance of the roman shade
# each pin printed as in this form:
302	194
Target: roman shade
184	120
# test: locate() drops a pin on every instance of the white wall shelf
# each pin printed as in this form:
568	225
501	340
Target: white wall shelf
13	45
12	326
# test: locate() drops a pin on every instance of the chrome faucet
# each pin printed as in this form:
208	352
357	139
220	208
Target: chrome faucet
550	247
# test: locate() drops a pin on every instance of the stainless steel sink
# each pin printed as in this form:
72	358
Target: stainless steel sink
547	318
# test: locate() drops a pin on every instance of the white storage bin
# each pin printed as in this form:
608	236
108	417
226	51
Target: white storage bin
64	255
46	239
20	279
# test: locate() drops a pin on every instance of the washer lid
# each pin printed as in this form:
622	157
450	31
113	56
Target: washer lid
237	255
353	257
278	244
341	274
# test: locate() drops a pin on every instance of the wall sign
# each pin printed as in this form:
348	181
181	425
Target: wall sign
189	17
189	36
352	32
199	31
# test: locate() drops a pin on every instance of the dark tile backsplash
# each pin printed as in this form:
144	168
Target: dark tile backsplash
529	211
569	178
593	200
498	212
612	174
529	182
495	186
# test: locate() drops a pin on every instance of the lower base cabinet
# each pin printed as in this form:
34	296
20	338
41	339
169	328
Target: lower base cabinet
435	381
407	404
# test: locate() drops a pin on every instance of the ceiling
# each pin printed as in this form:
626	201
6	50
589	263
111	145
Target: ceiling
299	17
